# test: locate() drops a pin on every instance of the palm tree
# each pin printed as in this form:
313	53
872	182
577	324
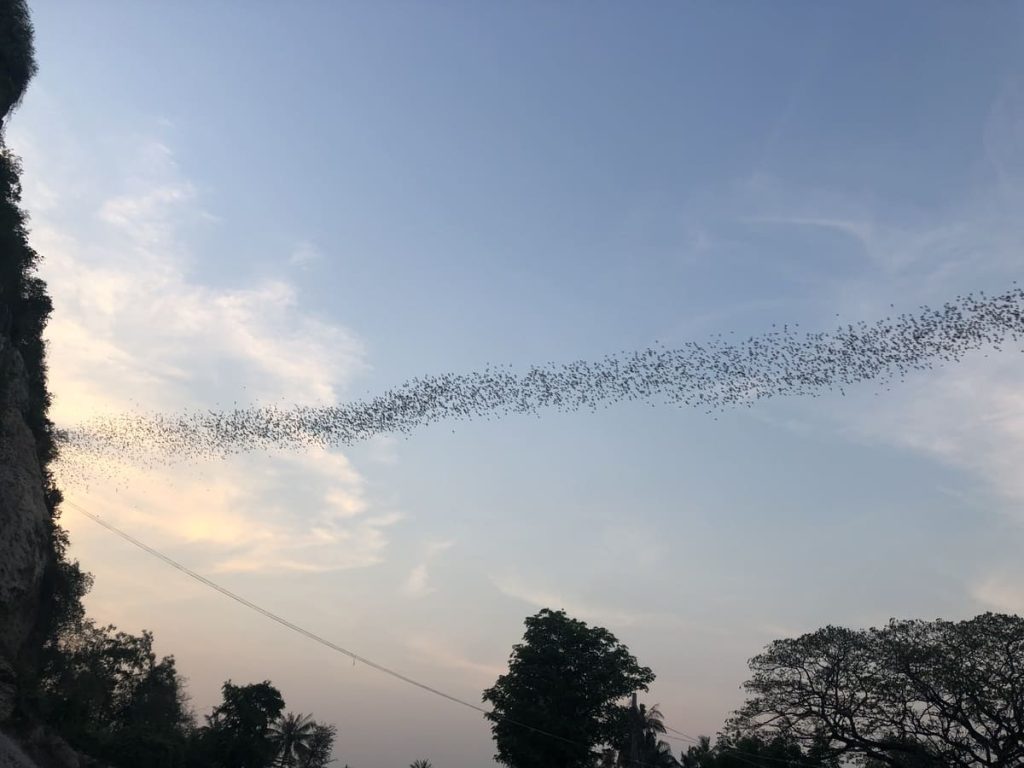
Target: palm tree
643	745
420	764
651	720
656	752
292	734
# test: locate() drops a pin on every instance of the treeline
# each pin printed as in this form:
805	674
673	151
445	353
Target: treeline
111	698
911	694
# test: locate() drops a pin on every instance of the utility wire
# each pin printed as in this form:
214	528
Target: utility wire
740	754
315	637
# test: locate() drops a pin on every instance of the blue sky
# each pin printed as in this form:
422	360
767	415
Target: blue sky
252	202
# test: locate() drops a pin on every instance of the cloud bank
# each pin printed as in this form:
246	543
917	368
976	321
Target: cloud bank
135	326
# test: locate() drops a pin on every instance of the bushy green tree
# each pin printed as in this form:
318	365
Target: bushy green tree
559	701
111	697
238	733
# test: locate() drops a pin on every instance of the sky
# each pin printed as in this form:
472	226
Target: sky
255	203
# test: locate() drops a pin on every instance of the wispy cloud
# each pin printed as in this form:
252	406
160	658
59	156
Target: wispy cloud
905	252
970	417
135	322
417	583
860	231
442	653
513	586
1000	592
304	253
135	327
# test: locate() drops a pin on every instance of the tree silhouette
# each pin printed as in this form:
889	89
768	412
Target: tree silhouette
320	746
558	703
292	735
17	54
913	693
638	741
113	698
653	751
733	750
238	732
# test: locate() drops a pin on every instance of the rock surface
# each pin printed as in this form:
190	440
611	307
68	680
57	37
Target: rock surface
48	750
41	748
23	523
11	755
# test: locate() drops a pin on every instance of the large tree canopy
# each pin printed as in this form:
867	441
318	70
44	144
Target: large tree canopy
911	693
239	731
565	679
113	698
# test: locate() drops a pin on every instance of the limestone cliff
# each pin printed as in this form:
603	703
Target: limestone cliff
24	543
27	543
12	756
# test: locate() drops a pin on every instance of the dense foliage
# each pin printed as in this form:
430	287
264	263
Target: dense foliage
741	751
912	694
559	701
111	697
636	739
114	700
17	54
25	308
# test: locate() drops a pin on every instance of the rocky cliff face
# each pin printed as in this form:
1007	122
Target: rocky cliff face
27	547
24	541
12	756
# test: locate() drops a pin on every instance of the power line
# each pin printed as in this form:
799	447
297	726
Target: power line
740	754
272	616
315	637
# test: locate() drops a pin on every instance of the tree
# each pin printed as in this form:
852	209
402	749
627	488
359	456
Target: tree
911	694
321	744
652	750
637	741
699	755
24	311
17	54
111	697
292	735
558	702
238	731
420	764
741	751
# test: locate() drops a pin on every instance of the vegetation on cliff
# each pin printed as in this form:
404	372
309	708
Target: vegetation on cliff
103	691
25	307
